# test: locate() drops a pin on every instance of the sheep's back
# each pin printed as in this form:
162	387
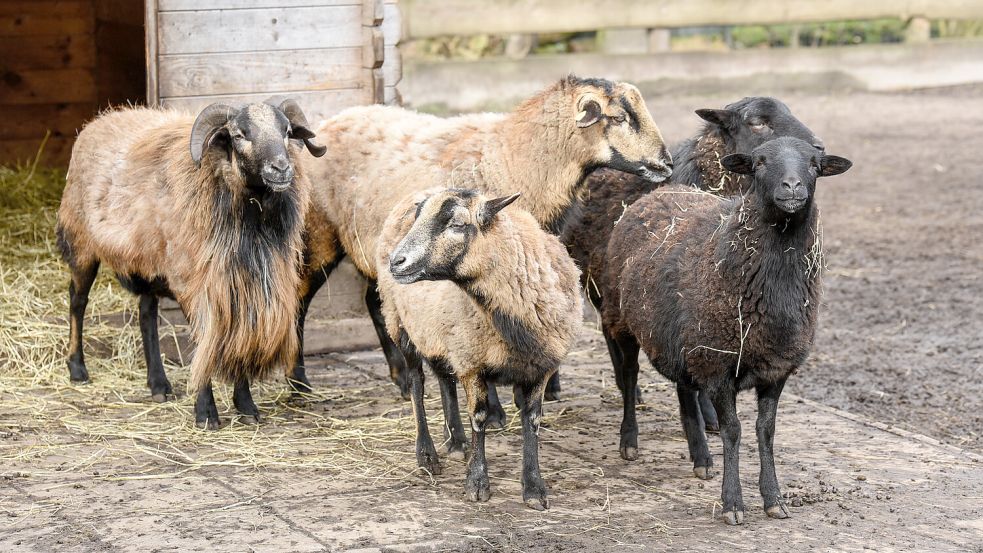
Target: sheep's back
380	154
116	201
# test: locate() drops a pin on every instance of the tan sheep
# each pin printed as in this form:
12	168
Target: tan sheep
218	228
543	149
484	296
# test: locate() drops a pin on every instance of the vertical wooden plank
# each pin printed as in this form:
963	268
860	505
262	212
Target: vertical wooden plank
151	37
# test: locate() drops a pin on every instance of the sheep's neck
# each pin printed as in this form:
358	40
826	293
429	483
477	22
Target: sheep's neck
543	157
698	163
773	268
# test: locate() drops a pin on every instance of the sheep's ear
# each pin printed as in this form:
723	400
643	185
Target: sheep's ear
724	118
833	165
588	110
738	163
209	125
300	129
491	208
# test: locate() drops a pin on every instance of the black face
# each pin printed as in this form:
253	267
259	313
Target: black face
784	173
257	138
753	121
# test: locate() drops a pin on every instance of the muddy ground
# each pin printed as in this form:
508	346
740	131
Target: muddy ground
878	437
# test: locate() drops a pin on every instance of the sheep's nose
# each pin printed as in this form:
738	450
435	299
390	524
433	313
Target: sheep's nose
791	184
397	261
280	164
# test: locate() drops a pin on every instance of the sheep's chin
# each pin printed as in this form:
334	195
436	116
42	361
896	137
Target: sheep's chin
655	174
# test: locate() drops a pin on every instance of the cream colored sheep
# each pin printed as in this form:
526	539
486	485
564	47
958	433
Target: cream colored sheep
484	296
543	150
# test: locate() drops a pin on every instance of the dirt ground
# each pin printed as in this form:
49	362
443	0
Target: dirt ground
878	442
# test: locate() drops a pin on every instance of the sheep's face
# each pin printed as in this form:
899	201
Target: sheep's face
256	140
613	117
753	121
442	234
784	173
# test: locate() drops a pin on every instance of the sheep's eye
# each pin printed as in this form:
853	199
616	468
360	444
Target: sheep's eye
238	136
760	127
456	225
620	118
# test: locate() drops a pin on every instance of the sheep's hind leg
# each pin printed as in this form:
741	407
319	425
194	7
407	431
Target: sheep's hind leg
617	360
83	275
765	427
206	412
299	384
709	413
453	428
553	388
242	398
496	414
724	401
533	486
624	355
394	357
160	387
689	412
476	483
426	453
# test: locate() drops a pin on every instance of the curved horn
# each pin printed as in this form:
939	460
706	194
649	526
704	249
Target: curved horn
209	121
301	129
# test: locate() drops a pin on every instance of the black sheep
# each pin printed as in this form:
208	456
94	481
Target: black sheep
722	295
738	128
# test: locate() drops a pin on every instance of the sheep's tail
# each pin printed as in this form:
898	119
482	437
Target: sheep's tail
245	328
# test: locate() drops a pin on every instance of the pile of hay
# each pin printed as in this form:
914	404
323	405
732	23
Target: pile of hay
44	418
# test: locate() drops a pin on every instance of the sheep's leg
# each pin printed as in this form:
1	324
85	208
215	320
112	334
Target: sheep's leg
689	412
627	350
765	427
553	388
709	413
617	361
206	412
83	275
242	398
426	453
476	482
496	414
298	378
533	487
394	357
157	381
453	428
724	401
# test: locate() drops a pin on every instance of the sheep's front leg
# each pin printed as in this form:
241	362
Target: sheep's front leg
242	398
724	400
533	487
689	412
765	426
83	275
206	412
476	482
426	453
160	387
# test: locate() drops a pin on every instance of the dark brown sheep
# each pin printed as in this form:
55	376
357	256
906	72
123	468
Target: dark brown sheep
218	228
722	295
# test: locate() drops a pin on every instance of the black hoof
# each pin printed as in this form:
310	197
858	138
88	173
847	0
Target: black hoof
429	462
77	373
534	496
209	424
299	386
478	490
703	473
456	450
778	510
496	417
248	419
734	518
629	453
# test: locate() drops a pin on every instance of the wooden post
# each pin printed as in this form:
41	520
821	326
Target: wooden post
919	30
373	50
660	40
150	35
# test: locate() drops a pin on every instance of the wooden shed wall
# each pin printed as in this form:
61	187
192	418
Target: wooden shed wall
328	54
60	61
